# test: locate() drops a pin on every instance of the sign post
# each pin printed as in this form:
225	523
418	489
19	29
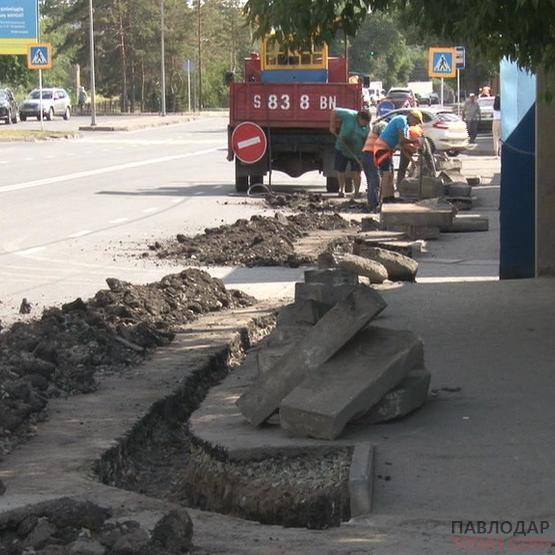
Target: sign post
39	56
441	64
460	63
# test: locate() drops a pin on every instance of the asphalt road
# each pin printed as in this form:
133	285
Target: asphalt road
76	212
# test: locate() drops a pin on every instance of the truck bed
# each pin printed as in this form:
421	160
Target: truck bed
288	105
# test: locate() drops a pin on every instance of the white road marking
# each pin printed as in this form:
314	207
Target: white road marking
149	210
118	220
80	233
29	252
176	200
101	171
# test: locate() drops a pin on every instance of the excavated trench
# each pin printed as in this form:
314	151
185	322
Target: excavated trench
160	458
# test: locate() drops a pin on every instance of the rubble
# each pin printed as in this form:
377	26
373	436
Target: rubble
323	340
313	202
260	241
64	351
68	525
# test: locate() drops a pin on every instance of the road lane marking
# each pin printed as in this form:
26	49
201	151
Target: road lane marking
101	171
149	210
80	233
29	252
118	221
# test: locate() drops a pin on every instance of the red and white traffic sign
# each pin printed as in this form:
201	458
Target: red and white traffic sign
249	142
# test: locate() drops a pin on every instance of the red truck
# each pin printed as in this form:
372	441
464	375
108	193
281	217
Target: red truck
290	97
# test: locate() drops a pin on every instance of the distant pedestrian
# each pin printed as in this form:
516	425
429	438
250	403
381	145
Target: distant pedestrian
496	126
471	116
82	98
350	129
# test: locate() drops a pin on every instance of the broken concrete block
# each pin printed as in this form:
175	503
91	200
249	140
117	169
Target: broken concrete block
322	293
381	235
350	383
408	396
430	187
448	164
306	312
398	266
268	355
371	269
459	189
467	223
287	334
412	249
423	214
474	180
323	340
332	277
361	479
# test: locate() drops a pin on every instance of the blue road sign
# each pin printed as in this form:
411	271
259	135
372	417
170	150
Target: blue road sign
39	56
19	25
442	62
461	57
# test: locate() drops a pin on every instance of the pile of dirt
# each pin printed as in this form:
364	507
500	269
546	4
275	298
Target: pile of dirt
260	241
66	525
67	348
314	202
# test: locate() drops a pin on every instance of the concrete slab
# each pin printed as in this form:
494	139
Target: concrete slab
398	266
431	187
322	293
359	265
418	232
350	383
332	277
303	312
325	339
467	223
459	189
407	397
361	479
416	214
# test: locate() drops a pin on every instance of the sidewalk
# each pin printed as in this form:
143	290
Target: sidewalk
132	123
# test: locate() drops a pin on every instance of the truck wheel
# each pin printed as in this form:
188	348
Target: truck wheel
241	183
332	185
256	180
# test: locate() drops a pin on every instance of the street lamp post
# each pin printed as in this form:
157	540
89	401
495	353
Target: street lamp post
199	58
163	53
93	81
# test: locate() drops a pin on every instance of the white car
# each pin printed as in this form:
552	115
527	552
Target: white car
54	102
445	131
486	111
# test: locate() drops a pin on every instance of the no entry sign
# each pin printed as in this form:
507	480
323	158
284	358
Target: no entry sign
249	142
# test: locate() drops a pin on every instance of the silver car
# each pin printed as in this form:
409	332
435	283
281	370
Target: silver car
55	102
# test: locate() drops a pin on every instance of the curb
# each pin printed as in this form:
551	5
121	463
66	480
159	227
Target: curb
361	479
140	125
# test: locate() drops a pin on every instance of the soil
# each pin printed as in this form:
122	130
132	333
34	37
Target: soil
260	241
314	202
65	351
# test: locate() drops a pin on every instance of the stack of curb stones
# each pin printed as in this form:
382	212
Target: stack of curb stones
325	366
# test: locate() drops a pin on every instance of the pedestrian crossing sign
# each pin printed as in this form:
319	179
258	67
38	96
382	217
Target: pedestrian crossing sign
39	56
442	62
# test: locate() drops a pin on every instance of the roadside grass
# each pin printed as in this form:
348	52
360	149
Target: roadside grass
34	135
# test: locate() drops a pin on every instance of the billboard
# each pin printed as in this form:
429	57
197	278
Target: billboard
19	25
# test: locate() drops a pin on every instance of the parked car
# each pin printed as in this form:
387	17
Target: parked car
427	99
445	131
55	102
486	111
8	106
402	97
